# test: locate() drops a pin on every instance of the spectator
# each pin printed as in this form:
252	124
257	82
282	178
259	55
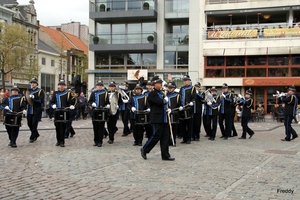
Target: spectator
82	104
7	93
260	109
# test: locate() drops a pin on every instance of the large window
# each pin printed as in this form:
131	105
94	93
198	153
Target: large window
118	36
296	59
235	61
257	60
47	82
278	60
215	61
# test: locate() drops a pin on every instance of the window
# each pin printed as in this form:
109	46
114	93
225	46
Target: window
235	72
117	59
182	58
134	59
215	61
260	72
235	61
257	60
170	58
278	60
52	63
278	72
102	59
118	34
214	72
296	59
149	59
43	61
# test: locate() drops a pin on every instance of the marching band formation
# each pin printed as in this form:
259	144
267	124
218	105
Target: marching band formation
162	113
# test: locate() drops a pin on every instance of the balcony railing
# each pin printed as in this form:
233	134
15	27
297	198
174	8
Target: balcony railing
129	38
172	6
231	1
122	5
260	31
175	39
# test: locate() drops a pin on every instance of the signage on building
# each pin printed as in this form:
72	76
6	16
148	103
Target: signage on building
270	81
135	74
281	32
232	34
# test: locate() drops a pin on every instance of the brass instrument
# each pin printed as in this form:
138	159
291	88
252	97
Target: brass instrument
113	100
209	98
279	94
121	89
28	99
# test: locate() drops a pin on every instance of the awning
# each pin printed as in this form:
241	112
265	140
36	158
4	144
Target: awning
256	51
278	50
295	50
213	52
234	52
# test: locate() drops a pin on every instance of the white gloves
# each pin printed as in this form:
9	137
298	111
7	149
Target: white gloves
197	91
224	95
94	105
125	100
148	110
108	106
31	96
191	104
6	108
72	107
24	112
209	103
133	109
117	107
169	110
54	106
166	99
180	108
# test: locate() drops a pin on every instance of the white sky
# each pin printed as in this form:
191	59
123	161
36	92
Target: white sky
56	12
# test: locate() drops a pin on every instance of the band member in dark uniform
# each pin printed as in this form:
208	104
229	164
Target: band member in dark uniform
174	103
148	127
15	103
125	112
73	114
225	111
232	114
290	110
138	102
247	105
35	111
210	115
188	96
98	99
112	118
61	99
197	112
158	121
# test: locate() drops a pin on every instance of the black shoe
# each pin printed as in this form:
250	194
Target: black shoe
143	154
62	145
99	145
242	138
13	145
188	142
124	135
110	142
225	138
251	135
285	140
66	137
31	141
169	159
95	144
179	137
182	142
197	139
212	139
57	144
206	136
294	137
72	135
140	144
135	144
9	144
222	137
34	139
193	139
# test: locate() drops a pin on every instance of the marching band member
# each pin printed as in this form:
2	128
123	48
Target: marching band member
73	114
138	102
158	121
225	112
174	103
34	114
14	103
232	114
61	99
125	112
247	105
290	109
188	95
98	99
197	112
210	115
148	128
112	118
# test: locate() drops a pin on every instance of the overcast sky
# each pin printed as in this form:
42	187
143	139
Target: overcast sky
56	12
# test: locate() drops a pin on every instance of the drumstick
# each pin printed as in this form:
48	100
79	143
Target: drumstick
170	125
182	107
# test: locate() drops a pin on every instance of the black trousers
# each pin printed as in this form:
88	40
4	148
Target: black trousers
197	125
225	130
125	119
288	128
81	110
186	129
69	127
50	112
13	132
111	126
98	128
233	130
210	123
246	129
148	129
138	133
60	128
32	122
161	132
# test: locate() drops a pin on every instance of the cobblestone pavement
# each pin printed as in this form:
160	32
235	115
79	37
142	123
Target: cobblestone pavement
260	168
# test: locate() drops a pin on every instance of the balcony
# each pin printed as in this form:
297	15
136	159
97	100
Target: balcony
208	2
176	9
130	42
116	10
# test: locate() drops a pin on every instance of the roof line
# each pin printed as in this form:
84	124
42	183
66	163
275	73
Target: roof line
68	39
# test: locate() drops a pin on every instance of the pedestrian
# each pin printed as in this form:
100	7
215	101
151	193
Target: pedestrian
82	105
159	121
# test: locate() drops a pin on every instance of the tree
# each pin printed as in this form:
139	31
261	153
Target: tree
15	48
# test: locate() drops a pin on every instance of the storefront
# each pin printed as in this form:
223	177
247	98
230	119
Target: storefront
264	88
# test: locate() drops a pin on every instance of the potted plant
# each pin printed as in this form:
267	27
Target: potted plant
96	40
146	6
102	8
107	9
150	39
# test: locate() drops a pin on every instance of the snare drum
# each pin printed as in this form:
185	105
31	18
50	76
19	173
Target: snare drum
100	115
186	113
12	119
174	117
62	115
142	118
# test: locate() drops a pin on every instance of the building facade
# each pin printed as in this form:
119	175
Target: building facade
244	43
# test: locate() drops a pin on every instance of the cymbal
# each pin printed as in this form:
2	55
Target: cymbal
28	99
